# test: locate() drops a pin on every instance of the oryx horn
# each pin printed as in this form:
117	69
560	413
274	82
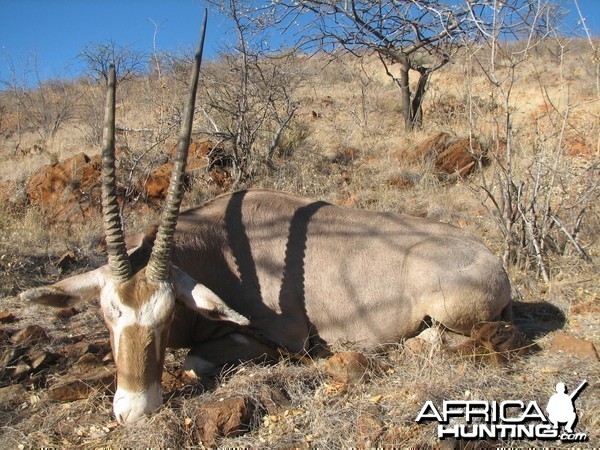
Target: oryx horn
115	239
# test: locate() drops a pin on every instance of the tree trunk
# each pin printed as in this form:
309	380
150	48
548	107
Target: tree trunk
417	101
406	97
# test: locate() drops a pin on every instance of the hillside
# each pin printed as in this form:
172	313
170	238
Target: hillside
525	139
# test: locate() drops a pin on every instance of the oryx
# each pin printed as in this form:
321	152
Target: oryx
255	268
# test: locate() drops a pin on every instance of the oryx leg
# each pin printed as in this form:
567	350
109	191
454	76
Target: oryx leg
208	357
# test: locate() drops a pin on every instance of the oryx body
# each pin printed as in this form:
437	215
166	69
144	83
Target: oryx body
302	270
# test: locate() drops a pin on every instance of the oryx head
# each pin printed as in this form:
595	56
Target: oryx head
138	303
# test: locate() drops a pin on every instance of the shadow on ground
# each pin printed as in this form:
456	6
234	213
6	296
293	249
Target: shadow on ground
536	320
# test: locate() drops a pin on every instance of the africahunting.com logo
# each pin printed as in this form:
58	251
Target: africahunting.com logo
509	419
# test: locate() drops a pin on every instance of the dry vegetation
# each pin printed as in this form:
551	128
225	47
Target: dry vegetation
345	145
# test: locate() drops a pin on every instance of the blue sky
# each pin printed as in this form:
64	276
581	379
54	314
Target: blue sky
55	31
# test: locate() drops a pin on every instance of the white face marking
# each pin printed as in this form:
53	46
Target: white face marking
155	313
129	407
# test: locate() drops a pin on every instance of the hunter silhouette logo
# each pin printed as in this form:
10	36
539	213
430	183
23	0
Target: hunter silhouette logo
509	419
561	408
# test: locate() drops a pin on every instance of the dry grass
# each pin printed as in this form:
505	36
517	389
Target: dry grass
356	107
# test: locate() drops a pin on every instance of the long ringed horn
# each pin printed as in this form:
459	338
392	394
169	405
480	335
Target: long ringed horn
115	239
160	260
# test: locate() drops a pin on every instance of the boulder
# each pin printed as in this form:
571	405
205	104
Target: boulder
66	313
69	191
458	159
39	359
433	145
495	342
157	184
11	395
78	349
452	157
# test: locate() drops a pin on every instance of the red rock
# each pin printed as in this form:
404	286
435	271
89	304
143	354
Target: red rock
417	346
368	431
433	145
66	260
85	363
69	191
460	158
157	184
222	418
41	359
20	369
11	394
571	345
451	156
347	367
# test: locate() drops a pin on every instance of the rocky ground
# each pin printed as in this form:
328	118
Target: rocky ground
57	378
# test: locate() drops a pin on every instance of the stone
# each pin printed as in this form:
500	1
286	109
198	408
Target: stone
41	359
7	317
77	386
459	158
494	342
417	346
452	157
66	260
223	418
368	430
66	313
273	400
78	349
30	335
347	367
342	155
12	394
432	146
571	345
21	369
157	184
9	356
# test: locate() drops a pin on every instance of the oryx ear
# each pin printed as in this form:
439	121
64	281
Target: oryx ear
69	291
201	299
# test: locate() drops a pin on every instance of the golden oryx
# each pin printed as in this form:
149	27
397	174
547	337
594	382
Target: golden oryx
251	271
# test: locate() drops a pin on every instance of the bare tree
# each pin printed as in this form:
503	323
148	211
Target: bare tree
98	57
43	106
537	197
249	90
420	36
